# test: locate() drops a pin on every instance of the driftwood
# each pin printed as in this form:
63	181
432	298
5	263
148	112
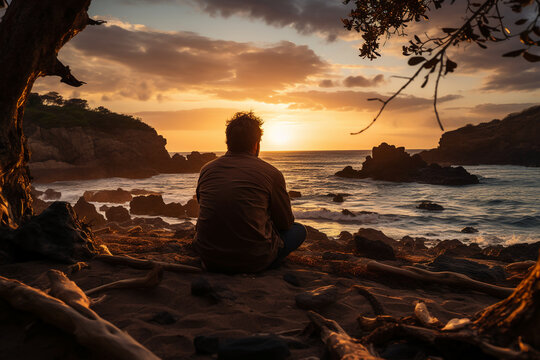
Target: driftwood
375	304
338	342
66	290
151	280
146	264
95	333
444	277
517	316
448	344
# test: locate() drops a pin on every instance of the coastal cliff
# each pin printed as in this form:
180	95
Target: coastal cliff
69	141
511	141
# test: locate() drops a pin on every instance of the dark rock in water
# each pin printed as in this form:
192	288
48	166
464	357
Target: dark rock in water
147	205
513	140
470	268
163	318
294	194
154	205
144	192
51	194
428	205
206	344
389	163
338	198
118	196
317	299
55	234
373	249
256	347
87	212
345	236
117	214
348	213
469	230
291	279
172	210
190	163
192	208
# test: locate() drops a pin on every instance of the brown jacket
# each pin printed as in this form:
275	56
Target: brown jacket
243	204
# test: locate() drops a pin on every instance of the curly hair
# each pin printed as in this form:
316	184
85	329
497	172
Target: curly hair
243	131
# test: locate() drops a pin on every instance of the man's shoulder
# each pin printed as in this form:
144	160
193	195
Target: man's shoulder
268	167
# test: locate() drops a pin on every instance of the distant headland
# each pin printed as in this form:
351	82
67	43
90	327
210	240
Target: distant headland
70	141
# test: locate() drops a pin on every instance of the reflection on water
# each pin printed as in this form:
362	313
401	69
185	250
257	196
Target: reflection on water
504	207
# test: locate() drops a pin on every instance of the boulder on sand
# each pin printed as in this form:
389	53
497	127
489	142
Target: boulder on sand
55	234
317	299
373	249
153	205
192	208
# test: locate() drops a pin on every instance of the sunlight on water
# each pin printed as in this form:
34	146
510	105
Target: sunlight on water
504	207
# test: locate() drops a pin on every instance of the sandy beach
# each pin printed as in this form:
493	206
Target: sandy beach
167	318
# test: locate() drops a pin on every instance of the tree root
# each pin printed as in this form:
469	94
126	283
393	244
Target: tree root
375	304
444	277
151	280
146	264
338	342
92	331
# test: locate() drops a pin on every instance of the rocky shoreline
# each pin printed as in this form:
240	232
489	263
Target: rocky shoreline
510	141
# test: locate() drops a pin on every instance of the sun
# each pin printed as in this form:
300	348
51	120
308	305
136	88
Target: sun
278	135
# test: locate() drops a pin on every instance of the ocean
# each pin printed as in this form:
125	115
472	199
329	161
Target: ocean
504	207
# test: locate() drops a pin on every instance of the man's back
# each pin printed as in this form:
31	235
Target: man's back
243	204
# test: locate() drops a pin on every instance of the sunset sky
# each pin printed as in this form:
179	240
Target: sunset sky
185	66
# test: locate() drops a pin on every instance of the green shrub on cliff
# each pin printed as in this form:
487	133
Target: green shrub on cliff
52	111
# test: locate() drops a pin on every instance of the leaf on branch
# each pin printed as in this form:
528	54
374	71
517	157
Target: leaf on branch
531	57
450	66
425	81
448	30
514	53
375	99
521	21
415	60
429	64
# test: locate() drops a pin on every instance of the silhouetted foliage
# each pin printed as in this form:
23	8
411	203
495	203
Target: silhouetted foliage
482	23
43	112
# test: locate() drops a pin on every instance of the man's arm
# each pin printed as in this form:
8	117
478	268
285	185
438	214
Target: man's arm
280	205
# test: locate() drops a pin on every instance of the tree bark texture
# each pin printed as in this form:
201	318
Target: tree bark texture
31	34
517	316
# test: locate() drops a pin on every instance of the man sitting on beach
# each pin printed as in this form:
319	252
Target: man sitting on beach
245	222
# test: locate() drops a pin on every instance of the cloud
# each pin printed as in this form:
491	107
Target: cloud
353	101
361	81
137	62
326	83
305	16
188	120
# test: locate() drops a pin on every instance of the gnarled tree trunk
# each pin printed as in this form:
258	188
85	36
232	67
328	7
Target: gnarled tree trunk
517	316
31	34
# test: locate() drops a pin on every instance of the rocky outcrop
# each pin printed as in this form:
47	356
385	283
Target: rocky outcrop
512	141
154	205
389	163
87	213
81	144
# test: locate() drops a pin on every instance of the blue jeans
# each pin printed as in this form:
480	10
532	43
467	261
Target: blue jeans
292	239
